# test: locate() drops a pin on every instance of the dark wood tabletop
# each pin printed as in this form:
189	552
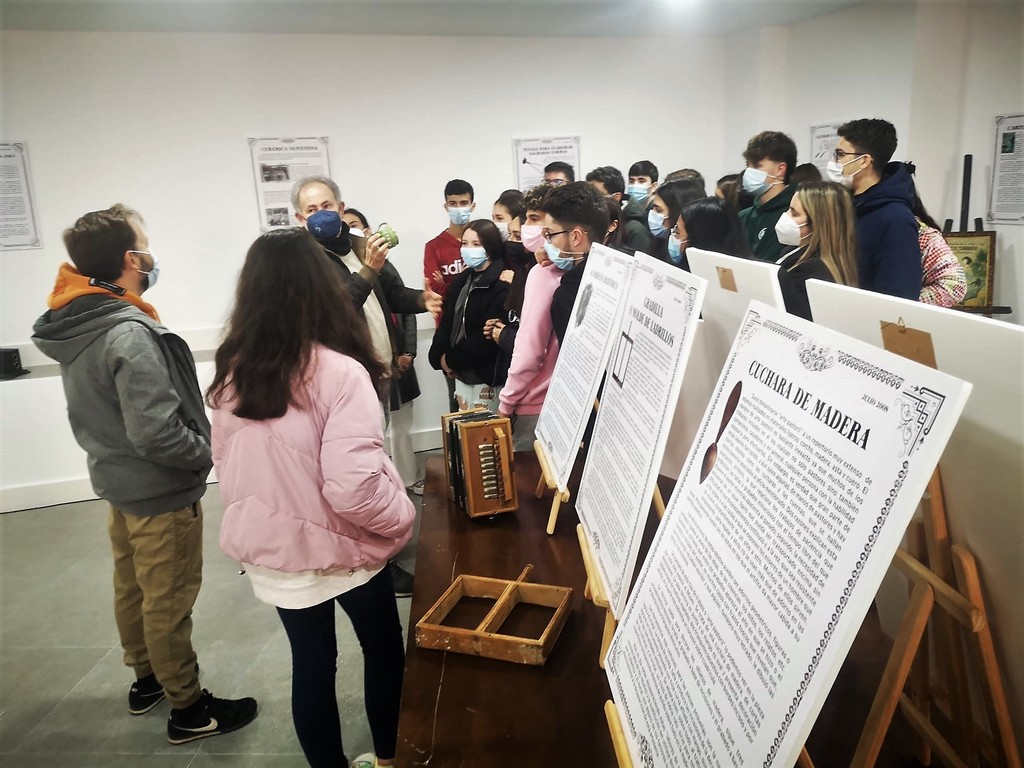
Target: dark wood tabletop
461	711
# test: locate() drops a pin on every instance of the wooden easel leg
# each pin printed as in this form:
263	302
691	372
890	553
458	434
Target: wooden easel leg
606	636
947	636
804	760
895	675
659	502
983	650
541	487
919	681
611	713
556	502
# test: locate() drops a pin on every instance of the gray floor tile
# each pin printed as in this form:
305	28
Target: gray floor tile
183	760
248	761
35	680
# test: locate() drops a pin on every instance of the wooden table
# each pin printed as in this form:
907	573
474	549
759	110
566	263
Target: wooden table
466	711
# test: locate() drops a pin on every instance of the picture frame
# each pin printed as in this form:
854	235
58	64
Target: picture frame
976	252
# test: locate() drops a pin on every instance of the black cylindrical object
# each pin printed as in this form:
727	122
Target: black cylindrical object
965	195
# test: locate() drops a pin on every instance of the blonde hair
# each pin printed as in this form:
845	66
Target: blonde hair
830	214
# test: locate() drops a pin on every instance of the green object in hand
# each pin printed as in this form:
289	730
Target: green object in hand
388	233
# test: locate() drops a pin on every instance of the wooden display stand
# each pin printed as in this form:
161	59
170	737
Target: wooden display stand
547	481
594	593
487	640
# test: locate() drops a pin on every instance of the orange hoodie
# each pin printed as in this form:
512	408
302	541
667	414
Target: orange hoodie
72	284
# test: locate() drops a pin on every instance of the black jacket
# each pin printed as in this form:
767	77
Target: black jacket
486	301
405	387
888	254
564	297
794	282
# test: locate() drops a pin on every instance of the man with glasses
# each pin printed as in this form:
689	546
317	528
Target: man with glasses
888	254
559	173
771	158
574	217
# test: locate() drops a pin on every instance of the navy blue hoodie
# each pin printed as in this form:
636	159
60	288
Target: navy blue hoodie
888	256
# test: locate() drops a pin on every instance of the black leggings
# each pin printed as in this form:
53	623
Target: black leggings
374	615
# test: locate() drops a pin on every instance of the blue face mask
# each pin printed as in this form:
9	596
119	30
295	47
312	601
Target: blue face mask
676	248
473	257
324	225
153	273
756	183
637	192
655	222
564	263
459	216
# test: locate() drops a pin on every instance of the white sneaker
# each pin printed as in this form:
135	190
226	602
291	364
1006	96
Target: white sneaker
417	487
365	760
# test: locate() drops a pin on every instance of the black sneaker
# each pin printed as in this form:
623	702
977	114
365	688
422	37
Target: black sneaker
401	579
145	693
209	716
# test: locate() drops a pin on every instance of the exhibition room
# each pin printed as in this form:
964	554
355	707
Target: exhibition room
642	379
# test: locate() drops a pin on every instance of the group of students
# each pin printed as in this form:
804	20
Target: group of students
865	226
317	357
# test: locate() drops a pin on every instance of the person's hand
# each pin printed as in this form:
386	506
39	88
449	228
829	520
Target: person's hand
542	258
444	367
404	363
376	252
493	328
437	278
506	276
432	302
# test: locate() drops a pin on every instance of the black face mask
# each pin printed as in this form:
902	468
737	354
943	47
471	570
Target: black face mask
517	253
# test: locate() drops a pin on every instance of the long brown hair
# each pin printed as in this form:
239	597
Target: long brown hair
830	214
289	297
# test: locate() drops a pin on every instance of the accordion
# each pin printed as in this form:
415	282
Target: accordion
479	462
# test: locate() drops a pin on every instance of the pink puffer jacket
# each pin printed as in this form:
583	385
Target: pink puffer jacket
312	490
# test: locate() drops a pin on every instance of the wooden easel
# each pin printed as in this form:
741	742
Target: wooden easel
547	481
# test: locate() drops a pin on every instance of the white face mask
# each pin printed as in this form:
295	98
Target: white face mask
835	172
788	231
502	229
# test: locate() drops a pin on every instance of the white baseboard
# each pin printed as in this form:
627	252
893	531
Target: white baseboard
49	494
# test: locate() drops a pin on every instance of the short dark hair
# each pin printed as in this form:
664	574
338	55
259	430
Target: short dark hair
871	136
490	238
359	215
559	167
687	174
610	178
614	211
713	225
514	203
805	172
578	204
459	187
774	146
644	168
533	198
676	194
97	241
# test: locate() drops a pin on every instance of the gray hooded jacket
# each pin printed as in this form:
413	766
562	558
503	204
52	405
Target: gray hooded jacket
133	402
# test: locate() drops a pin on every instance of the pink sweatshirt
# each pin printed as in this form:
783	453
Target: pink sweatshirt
536	348
313	489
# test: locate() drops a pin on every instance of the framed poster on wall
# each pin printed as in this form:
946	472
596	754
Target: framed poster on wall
18	229
276	165
823	143
531	155
1006	204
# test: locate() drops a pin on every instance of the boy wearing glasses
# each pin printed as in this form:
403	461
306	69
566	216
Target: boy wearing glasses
888	255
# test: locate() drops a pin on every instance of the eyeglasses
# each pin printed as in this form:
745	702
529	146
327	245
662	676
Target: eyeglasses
547	234
839	154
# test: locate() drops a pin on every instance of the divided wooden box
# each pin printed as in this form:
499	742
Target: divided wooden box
486	639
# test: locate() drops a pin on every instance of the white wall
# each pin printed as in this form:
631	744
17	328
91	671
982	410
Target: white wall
160	121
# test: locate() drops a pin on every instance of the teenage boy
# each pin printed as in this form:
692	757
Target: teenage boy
575	218
643	181
608	181
771	158
135	408
559	173
442	256
888	256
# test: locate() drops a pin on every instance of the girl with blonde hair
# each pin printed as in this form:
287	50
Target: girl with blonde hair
820	226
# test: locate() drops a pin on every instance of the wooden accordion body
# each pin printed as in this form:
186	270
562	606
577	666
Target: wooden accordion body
479	462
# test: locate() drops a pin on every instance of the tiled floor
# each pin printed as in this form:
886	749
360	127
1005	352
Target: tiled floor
63	687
